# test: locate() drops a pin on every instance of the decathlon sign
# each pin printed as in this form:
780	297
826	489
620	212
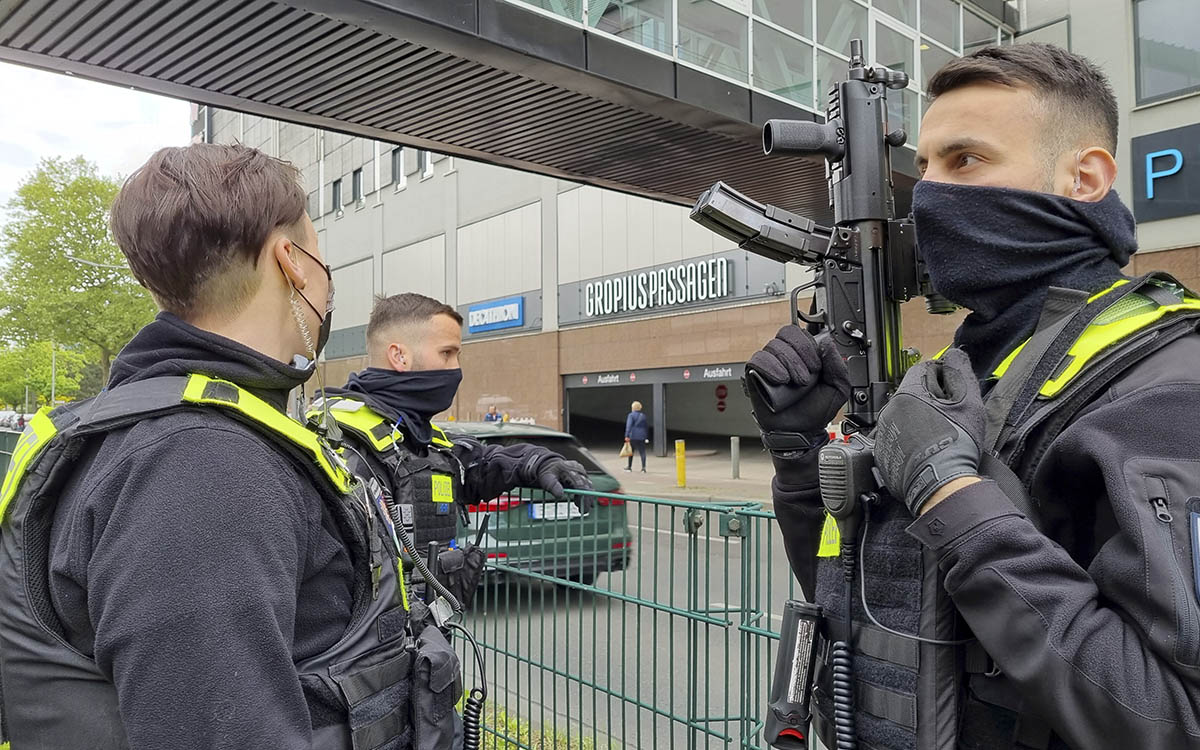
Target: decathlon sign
495	315
1166	174
682	284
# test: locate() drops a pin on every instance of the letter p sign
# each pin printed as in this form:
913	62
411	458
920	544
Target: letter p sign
1152	175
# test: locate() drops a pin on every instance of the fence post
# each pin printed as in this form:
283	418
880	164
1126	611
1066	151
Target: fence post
735	456
680	464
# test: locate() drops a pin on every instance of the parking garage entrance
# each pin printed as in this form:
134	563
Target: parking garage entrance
699	403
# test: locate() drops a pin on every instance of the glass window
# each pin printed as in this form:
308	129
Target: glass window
901	10
830	70
337	195
793	15
1167	48
904	108
933	58
839	21
572	9
714	37
424	164
895	50
977	32
783	65
939	20
398	175
642	22
356	184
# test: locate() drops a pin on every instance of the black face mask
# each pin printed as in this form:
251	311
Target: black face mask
327	319
996	251
410	398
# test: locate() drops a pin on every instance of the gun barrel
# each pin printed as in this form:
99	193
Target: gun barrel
802	138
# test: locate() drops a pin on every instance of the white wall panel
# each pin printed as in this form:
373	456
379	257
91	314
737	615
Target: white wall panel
500	255
419	267
351	306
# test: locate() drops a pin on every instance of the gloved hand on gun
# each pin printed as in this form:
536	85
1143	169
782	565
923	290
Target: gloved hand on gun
928	436
796	385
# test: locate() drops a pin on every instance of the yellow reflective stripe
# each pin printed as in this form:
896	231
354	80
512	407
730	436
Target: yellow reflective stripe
37	434
362	420
439	437
831	539
403	587
254	408
1003	366
943	351
1098	295
1097	338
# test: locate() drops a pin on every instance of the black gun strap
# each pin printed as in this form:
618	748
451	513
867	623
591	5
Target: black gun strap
1060	308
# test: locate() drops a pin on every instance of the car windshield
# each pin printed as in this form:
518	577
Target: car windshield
568	448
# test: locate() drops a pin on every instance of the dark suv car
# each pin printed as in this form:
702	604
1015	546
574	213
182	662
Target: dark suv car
529	530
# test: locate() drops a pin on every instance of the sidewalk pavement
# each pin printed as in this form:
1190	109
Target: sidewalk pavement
709	476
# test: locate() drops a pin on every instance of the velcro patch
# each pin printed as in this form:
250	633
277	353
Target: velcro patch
443	488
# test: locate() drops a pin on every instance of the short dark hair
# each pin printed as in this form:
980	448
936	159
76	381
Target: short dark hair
1075	91
404	309
190	214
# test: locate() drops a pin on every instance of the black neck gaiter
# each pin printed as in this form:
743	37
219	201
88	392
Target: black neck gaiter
997	251
410	399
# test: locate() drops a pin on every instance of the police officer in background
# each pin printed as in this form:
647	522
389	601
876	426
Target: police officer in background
182	565
429	476
1081	596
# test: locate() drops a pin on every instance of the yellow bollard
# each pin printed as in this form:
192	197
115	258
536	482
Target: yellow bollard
680	464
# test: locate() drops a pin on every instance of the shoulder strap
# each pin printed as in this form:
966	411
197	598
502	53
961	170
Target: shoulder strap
440	438
1071	332
362	420
132	402
202	390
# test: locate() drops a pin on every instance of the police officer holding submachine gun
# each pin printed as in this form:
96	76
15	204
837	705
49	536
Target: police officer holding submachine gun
1002	556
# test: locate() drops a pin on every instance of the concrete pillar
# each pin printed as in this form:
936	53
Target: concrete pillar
659	397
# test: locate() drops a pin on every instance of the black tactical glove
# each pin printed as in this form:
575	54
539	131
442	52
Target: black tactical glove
555	473
796	385
930	431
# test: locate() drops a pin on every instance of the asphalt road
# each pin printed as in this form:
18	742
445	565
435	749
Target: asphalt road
610	669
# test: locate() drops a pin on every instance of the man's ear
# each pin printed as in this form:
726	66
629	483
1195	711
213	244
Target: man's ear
1097	171
280	249
399	358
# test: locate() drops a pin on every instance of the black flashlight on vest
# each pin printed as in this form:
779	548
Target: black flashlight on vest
788	711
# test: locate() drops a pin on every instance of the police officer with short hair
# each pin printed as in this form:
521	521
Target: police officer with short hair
1029	580
182	565
428	476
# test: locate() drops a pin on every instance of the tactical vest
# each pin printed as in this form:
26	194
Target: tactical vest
919	696
58	697
425	482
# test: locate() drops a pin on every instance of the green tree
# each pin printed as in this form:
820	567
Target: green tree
64	280
31	366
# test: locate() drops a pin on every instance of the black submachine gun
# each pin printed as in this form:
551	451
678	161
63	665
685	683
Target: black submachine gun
865	266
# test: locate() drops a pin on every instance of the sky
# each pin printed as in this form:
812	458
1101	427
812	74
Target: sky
52	114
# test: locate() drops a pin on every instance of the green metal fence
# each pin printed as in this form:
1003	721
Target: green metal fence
8	441
648	623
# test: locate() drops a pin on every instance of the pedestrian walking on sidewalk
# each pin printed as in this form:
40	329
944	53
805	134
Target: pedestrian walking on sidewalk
637	434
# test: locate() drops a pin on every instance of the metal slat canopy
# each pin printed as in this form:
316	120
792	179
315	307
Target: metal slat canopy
473	78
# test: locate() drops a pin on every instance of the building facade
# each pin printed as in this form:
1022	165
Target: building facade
578	300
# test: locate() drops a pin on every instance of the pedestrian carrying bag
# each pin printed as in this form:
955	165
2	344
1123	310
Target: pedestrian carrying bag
626	450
